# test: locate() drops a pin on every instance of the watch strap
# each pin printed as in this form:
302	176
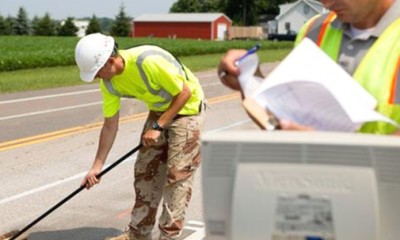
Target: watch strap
156	126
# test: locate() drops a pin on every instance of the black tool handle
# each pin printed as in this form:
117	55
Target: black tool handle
74	193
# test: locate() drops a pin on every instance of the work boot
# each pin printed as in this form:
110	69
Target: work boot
163	237
166	237
128	235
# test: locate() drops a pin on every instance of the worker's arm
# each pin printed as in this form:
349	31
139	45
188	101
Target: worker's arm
397	133
150	137
289	125
107	137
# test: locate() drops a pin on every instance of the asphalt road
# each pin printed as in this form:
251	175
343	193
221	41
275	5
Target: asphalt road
47	143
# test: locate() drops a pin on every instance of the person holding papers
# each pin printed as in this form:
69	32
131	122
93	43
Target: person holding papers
362	36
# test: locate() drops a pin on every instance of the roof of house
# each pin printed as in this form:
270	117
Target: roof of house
315	5
180	17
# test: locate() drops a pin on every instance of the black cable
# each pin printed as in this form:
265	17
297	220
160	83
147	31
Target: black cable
74	193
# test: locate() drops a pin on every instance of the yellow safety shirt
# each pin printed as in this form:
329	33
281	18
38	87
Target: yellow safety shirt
153	75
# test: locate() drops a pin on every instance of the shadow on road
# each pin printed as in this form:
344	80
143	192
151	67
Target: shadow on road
76	234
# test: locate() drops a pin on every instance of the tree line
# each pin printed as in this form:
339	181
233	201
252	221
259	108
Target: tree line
241	12
46	26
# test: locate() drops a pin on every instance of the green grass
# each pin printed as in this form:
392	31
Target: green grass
209	61
53	77
33	63
22	52
39	78
25	52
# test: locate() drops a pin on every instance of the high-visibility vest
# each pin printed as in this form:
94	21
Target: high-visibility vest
153	75
378	71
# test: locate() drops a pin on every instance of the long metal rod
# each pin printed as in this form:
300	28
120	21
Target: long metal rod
74	193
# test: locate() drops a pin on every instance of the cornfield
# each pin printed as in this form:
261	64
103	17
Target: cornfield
26	52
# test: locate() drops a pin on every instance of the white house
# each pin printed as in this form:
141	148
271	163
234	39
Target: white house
82	25
293	15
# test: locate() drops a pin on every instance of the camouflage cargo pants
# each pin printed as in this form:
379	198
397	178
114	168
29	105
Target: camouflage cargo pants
166	170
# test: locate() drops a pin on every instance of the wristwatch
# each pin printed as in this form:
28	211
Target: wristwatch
156	126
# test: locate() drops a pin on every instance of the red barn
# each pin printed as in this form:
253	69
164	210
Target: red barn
213	26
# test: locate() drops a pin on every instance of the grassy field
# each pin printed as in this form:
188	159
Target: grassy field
33	63
52	77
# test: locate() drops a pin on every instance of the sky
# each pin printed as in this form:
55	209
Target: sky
60	10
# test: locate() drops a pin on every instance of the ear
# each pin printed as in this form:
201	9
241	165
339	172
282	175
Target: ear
111	60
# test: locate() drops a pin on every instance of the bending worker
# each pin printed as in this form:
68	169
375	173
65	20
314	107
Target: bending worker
165	166
362	36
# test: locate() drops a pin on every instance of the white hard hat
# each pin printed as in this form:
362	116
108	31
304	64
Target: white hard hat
91	53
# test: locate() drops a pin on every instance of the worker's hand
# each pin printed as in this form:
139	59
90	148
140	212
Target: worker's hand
90	179
397	133
150	137
288	125
228	71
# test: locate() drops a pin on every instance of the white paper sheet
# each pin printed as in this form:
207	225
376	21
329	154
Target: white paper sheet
248	82
309	88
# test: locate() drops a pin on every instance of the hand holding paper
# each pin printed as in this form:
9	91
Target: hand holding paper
310	89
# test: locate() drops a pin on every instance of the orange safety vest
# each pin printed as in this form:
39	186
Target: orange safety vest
378	71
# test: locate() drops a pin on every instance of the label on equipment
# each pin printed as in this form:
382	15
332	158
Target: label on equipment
303	217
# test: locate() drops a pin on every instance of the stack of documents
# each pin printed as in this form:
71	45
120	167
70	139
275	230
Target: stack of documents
308	88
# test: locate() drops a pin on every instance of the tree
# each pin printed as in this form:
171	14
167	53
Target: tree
2	25
248	12
191	6
34	24
45	26
273	6
94	26
106	24
236	11
242	12
262	6
6	25
212	5
122	24
21	26
186	6
68	28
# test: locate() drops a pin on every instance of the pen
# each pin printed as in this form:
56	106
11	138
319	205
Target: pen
249	52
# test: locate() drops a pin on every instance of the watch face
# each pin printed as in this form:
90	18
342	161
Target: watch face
155	126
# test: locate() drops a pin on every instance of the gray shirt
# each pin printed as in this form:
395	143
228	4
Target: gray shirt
352	49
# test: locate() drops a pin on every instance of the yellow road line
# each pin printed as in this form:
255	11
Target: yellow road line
89	127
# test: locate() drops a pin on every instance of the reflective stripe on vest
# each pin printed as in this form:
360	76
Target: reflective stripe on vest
162	93
323	35
378	71
395	93
330	38
111	89
139	63
305	29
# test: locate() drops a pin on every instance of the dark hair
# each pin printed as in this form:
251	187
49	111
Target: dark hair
115	50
